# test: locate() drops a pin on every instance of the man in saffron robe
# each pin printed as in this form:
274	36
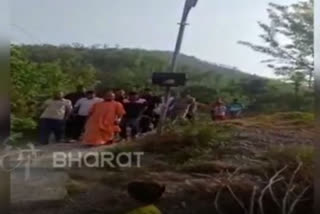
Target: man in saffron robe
103	121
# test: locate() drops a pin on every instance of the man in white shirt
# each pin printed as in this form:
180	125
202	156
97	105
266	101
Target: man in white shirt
82	109
53	118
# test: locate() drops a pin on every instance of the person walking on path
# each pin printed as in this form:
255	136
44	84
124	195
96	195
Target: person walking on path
82	109
134	108
235	109
219	110
73	97
191	114
120	95
149	115
181	107
52	120
103	120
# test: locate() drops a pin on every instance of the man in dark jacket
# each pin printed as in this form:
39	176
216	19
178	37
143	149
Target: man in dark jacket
149	116
134	107
73	97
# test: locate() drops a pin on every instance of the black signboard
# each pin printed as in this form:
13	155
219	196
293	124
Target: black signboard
169	79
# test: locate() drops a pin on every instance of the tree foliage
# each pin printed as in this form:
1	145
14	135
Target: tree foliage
39	70
33	82
288	39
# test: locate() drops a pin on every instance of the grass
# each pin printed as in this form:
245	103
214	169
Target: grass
184	143
292	154
208	158
294	116
284	120
206	167
293	157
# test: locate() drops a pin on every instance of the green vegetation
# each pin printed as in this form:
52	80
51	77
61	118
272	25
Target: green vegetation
218	166
185	143
292	57
292	154
40	70
34	82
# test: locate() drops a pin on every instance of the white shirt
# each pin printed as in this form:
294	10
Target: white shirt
86	104
140	100
56	109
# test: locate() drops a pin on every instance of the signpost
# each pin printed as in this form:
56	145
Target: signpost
189	4
169	79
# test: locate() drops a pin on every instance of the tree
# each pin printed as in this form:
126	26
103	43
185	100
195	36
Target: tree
297	78
217	81
289	39
132	69
253	87
33	82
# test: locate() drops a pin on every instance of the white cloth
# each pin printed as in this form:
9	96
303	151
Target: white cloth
56	109
84	104
140	100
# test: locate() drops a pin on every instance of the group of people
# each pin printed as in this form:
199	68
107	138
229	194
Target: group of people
117	115
222	111
94	120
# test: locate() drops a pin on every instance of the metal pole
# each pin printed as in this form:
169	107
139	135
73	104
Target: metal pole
182	24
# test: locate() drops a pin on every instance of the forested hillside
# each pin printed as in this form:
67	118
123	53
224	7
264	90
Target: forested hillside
39	70
133	62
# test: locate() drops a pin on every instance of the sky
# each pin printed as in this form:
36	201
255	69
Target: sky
215	26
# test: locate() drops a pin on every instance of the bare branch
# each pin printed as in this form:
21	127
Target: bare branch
216	202
295	173
272	181
285	199
252	201
237	199
234	173
297	200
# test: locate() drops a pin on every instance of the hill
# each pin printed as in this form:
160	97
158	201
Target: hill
66	66
133	61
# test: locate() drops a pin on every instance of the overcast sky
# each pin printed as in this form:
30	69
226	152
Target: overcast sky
215	26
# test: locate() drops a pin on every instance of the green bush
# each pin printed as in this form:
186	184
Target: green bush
32	83
22	124
183	143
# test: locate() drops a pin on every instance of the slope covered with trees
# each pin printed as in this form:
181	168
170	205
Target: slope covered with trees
39	70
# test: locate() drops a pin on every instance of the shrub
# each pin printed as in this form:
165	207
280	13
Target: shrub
182	143
292	156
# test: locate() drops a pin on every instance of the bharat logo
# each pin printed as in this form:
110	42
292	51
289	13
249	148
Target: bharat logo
13	158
